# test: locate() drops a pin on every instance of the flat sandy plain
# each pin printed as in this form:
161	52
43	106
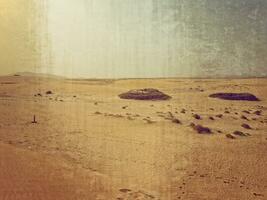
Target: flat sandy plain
90	144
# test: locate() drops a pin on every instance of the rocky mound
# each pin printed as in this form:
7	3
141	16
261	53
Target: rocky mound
145	94
235	96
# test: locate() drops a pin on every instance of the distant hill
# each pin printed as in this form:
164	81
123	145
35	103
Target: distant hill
41	75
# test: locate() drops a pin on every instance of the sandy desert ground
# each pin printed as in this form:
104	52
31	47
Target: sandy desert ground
90	144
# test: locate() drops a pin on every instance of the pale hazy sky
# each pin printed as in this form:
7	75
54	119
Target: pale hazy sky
134	38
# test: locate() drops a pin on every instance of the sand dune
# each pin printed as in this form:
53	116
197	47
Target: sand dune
87	143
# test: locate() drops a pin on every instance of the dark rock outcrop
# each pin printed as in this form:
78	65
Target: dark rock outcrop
145	94
235	96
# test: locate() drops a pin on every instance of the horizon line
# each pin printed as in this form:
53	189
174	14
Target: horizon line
48	75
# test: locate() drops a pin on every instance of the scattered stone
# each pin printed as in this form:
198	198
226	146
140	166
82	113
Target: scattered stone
196	116
192	125
246	126
257	194
171	115
130	118
235	96
118	116
124	107
145	94
125	190
98	113
257	112
239	133
261	107
176	121
244	117
211	118
219	115
183	111
49	92
230	136
149	121
201	129
245	111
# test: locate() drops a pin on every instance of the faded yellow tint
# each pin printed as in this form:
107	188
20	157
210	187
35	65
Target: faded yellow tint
18	36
